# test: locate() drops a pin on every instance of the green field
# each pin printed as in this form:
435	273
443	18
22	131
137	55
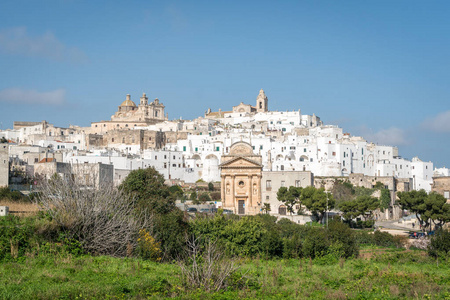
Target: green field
383	273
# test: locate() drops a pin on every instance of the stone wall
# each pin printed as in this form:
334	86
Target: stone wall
441	185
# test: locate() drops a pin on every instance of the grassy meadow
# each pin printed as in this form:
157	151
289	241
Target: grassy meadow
382	273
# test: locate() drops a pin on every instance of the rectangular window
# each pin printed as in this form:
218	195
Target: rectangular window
196	149
334	153
261	147
165	156
165	165
217	148
297	183
268	184
447	194
156	157
283	183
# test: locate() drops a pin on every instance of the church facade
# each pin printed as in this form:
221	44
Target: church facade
241	172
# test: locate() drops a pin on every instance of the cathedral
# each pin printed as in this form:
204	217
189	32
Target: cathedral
130	115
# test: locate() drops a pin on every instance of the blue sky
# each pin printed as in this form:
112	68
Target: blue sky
380	69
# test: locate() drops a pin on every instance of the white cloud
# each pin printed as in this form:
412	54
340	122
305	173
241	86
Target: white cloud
439	123
391	137
17	41
19	96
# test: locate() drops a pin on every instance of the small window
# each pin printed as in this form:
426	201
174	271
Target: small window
165	165
184	148
447	194
268	184
283	183
297	183
156	157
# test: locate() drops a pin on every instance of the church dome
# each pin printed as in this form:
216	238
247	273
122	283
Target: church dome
128	102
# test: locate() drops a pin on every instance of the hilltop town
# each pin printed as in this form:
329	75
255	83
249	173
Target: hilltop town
251	151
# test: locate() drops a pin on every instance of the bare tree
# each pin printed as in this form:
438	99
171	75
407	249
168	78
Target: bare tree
103	220
206	267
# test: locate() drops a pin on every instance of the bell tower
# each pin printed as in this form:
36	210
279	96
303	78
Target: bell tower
262	104
144	100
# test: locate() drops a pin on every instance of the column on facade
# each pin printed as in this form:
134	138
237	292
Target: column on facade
223	189
233	196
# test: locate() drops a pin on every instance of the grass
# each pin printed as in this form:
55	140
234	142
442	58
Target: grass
387	274
27	207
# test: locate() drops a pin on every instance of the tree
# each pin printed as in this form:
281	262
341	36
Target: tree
317	201
437	209
361	206
148	188
176	191
211	187
385	199
288	197
204	197
266	208
414	201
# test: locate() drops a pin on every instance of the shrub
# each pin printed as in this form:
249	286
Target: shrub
440	244
342	237
315	243
148	247
206	267
14	237
104	221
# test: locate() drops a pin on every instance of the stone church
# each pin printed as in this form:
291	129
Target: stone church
241	172
130	115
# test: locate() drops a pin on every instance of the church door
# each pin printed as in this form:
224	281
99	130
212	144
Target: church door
241	207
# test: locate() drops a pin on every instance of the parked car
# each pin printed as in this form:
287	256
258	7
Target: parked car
416	235
208	210
191	210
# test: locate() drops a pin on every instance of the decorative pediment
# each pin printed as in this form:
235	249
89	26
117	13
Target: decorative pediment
241	149
240	162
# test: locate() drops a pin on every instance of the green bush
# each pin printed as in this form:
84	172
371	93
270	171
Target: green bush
315	243
440	244
15	237
342	237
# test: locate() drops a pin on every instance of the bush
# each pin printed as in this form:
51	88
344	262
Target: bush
316	243
148	247
15	237
440	244
6	193
378	238
104	221
342	237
